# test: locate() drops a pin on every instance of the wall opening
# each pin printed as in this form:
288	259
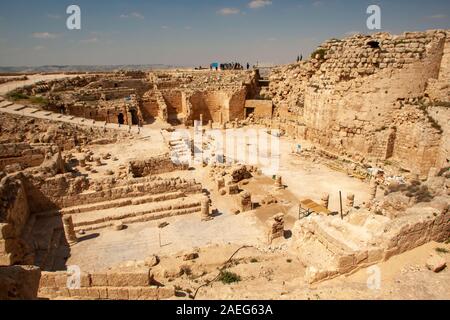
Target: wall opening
134	117
374	44
121	118
249	111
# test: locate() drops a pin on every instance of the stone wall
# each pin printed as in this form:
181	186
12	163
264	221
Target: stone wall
14	214
155	165
134	284
262	108
363	97
19	282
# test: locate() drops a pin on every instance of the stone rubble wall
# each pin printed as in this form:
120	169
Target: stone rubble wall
14	214
19	282
155	165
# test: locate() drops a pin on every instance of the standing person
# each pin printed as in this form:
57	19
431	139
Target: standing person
298	59
248	65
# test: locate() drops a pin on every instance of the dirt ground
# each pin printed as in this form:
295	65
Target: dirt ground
281	276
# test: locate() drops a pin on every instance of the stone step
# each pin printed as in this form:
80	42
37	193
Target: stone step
18	107
5	104
136	213
122	203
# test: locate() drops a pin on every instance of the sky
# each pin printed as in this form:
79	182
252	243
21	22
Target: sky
195	32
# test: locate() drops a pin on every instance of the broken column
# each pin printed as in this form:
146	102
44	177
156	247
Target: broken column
69	230
210	126
204	213
245	201
279	182
220	184
325	200
373	189
276	227
83	162
350	200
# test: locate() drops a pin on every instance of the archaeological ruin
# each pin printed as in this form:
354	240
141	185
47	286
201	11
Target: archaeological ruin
134	185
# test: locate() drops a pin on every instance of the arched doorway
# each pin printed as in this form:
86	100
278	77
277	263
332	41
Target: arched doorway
121	119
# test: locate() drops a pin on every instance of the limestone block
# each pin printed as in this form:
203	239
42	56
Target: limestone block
436	263
139	278
99	279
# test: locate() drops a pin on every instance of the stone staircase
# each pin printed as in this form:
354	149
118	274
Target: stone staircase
180	149
135	213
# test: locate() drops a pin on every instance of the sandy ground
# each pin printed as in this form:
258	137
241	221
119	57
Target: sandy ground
281	277
138	241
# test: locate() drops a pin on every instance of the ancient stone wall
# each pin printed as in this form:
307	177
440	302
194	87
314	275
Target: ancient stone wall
155	165
134	284
362	97
19	282
14	213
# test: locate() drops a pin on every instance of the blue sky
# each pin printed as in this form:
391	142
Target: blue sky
194	32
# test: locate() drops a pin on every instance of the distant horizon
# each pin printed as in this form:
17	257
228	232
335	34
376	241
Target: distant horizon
195	33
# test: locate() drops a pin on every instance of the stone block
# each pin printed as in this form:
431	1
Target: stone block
129	279
99	280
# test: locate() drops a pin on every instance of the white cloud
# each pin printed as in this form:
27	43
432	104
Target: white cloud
317	3
39	48
438	17
134	15
256	4
164	27
44	35
228	11
91	40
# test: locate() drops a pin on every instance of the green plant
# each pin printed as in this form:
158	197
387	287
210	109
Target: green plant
320	52
17	96
227	277
39	100
442	250
253	260
289	260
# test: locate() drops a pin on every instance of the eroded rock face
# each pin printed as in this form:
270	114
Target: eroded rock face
19	282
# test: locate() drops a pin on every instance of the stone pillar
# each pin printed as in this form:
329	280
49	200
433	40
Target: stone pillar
276	227
210	125
69	230
373	189
325	200
220	184
224	126
201	119
83	162
205	209
279	182
350	200
221	118
245	201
